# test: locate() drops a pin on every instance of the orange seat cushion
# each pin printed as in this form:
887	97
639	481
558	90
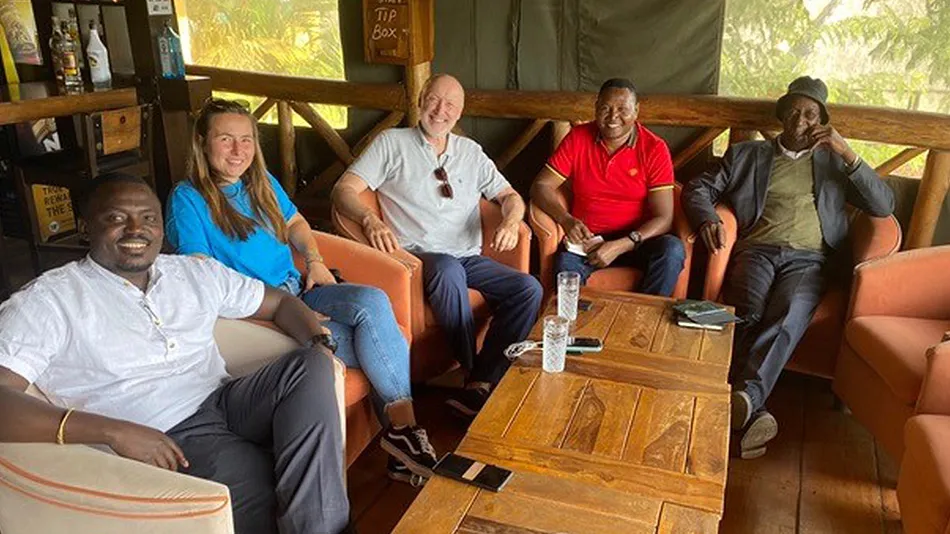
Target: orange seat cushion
896	349
924	488
355	387
615	279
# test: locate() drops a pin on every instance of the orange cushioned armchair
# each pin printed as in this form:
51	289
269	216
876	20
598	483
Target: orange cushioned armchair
74	488
431	353
923	487
900	311
550	235
816	354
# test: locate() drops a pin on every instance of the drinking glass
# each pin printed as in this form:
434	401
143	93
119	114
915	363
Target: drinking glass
568	290
556	335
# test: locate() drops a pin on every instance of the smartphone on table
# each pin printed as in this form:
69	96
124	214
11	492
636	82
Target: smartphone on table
469	471
584	344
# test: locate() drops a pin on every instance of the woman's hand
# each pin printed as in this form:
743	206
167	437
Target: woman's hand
317	273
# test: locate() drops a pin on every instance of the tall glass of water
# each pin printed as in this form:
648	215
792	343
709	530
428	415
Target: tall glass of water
568	290
556	333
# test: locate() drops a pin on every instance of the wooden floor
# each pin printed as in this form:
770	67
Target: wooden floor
823	473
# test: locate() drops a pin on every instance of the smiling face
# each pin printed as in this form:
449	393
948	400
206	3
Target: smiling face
800	115
124	222
229	145
616	113
440	107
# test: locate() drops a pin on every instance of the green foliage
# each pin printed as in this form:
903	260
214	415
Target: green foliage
893	53
291	37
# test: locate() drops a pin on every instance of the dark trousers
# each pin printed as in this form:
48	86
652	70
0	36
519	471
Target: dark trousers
274	438
660	258
775	290
514	297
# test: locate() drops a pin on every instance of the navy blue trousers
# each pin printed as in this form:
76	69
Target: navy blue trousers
514	297
660	258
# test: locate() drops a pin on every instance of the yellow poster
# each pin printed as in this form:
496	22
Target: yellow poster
54	211
19	25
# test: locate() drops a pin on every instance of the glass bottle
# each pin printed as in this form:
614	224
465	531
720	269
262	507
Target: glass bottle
71	75
56	53
98	57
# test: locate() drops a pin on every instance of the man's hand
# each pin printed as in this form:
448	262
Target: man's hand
714	236
827	135
576	231
146	445
606	253
317	273
506	237
379	234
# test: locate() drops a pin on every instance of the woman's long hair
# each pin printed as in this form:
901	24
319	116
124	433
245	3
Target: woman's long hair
206	180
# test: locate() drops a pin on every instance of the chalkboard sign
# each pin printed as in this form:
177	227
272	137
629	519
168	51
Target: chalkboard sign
398	31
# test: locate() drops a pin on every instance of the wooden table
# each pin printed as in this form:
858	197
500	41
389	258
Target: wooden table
632	439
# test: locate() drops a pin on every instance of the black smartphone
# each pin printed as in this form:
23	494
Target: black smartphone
584	305
584	344
469	471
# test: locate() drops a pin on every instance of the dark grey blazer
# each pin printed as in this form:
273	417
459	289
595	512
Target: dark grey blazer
742	180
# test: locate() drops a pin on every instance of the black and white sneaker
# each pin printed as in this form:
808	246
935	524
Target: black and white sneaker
400	473
410	445
468	402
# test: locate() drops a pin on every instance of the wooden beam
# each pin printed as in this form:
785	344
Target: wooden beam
883	125
768	134
288	153
698	145
360	95
520	143
390	121
324	180
416	76
930	198
898	160
337	144
264	108
559	131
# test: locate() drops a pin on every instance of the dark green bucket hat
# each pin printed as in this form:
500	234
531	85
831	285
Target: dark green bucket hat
809	87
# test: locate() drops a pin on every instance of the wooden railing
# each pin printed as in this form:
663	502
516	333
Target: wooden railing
919	132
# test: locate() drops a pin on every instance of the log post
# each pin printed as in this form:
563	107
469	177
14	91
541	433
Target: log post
323	128
416	76
698	145
930	197
288	154
520	142
265	106
558	133
899	160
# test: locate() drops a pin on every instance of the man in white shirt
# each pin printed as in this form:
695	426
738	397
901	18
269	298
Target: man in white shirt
430	183
122	343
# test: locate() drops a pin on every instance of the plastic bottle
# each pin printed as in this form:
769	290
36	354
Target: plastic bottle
71	75
98	59
169	51
56	53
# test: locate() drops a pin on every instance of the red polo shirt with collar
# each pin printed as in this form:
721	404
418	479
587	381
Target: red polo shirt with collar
610	190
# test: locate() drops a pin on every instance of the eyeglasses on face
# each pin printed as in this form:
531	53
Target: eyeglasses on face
445	188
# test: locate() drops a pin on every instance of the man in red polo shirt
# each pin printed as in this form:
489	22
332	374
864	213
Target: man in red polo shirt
620	176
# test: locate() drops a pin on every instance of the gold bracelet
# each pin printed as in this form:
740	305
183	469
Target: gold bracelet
62	427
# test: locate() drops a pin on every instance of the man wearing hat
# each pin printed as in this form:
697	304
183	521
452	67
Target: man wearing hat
789	198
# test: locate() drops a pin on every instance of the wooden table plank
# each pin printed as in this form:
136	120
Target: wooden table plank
683	520
548	408
674	340
680	488
451	499
709	442
603	419
498	413
660	434
520	512
635	327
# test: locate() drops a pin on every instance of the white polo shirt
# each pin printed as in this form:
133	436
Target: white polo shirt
92	341
400	164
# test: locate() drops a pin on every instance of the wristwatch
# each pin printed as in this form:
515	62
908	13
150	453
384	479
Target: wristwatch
635	237
322	339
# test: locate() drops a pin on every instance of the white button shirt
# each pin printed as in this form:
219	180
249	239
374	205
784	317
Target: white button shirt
92	341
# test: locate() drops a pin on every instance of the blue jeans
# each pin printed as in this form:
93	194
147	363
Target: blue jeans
514	297
367	335
660	258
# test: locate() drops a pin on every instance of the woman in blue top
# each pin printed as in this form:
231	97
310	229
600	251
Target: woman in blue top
233	210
